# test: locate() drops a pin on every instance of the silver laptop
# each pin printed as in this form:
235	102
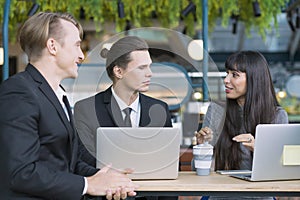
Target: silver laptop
277	153
153	153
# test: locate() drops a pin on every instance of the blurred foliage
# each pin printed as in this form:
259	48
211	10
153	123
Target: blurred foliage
290	104
141	13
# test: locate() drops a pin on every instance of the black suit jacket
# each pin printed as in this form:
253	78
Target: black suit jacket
103	110
38	145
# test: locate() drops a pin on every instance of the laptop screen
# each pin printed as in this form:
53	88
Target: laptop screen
271	140
153	153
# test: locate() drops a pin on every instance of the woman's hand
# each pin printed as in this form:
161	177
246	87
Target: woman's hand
205	134
247	140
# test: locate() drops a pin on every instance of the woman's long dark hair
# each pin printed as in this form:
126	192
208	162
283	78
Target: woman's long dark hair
259	108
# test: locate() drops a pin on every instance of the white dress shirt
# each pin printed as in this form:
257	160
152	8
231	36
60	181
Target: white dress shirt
135	106
60	93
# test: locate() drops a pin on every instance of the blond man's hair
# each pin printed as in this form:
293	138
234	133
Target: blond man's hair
35	32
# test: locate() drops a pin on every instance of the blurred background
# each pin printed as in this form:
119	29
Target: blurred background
176	31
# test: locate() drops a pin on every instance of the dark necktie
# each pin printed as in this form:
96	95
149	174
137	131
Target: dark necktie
72	133
68	107
127	120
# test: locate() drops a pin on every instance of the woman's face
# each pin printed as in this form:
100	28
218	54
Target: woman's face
236	85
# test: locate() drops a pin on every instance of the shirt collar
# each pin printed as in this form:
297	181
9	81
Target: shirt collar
60	93
134	106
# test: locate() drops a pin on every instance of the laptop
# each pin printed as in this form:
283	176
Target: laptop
153	153
276	155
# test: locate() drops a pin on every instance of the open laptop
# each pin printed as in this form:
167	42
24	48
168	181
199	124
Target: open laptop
277	153
153	153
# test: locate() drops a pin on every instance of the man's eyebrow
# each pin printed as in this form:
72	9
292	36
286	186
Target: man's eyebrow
235	70
145	65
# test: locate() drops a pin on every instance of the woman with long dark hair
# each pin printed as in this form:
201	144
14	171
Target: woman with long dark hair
250	100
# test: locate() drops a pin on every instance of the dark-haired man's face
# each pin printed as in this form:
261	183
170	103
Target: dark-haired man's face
136	77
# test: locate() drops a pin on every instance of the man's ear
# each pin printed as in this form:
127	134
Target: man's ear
118	72
51	46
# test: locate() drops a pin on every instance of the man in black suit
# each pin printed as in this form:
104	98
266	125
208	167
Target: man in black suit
128	66
38	142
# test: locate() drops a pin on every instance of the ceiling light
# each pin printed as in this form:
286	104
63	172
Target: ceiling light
1	56
195	49
190	8
197	96
289	17
256	9
121	12
281	94
33	9
234	23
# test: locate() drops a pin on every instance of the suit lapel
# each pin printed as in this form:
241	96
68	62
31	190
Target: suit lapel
111	108
145	106
49	93
51	96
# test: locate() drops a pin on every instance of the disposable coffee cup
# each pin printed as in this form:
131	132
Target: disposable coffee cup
203	158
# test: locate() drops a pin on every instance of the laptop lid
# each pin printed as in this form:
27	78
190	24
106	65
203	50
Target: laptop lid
276	156
153	153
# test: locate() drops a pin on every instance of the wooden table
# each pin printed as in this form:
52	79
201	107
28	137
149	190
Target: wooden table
189	184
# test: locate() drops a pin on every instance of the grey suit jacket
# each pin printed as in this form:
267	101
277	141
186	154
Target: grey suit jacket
38	145
103	110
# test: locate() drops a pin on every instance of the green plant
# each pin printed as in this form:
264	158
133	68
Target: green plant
140	13
244	10
291	104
